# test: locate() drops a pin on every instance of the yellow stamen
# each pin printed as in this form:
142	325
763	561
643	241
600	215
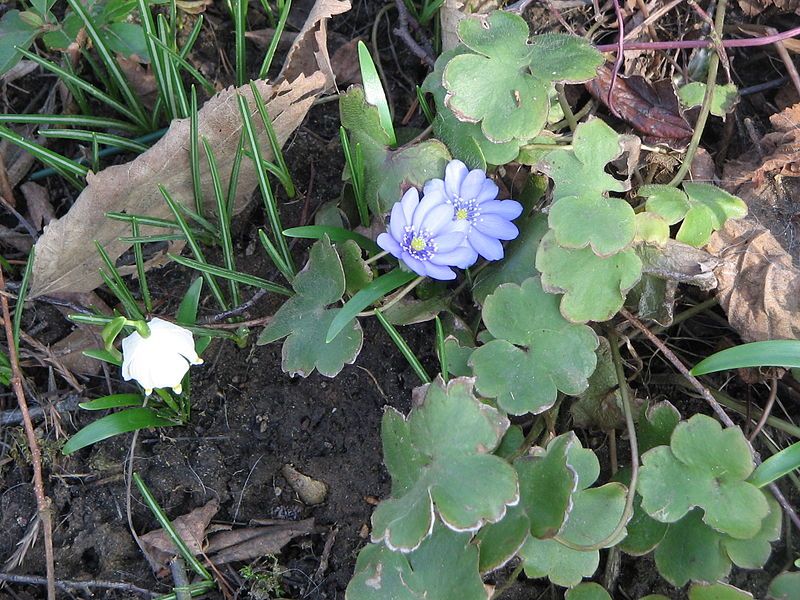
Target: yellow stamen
461	214
417	244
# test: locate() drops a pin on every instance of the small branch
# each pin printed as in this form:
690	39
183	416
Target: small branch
404	34
42	501
235	311
773	394
618	61
85	586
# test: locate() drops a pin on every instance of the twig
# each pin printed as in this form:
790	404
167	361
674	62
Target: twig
618	60
773	394
22	220
42	501
701	389
235	311
651	19
404	34
14	417
85	586
705	109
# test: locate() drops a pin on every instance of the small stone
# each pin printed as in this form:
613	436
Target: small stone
310	491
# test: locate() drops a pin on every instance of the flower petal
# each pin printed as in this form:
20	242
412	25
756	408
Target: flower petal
439	219
414	264
489	191
434	186
439	272
472	185
488	247
454	175
507	209
426	205
496	226
409	202
462	257
397	221
388	243
449	241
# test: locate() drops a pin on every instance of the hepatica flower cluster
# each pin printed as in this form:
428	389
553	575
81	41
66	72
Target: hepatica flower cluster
458	219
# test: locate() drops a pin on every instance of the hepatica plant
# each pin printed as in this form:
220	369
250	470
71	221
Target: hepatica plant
520	280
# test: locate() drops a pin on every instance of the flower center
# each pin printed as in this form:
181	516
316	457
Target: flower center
418	243
465	210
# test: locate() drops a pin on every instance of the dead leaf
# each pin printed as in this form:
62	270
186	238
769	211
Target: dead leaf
310	491
18	71
254	542
141	79
194	7
680	263
262	38
40	210
652	109
759	287
17	240
66	262
190	527
69	350
345	63
756	7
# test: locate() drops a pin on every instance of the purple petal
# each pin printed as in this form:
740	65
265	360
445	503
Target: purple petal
489	191
488	247
496	226
449	241
397	221
462	257
438	219
507	209
472	185
439	272
454	175
409	202
434	186
414	264
388	243
426	205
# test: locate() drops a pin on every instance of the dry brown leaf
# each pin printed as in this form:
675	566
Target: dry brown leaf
191	528
40	210
142	80
345	63
66	261
255	542
759	287
756	7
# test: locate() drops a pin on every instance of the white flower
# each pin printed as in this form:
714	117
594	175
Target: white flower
161	359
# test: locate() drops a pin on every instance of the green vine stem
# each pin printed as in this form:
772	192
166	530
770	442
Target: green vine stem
613	340
705	109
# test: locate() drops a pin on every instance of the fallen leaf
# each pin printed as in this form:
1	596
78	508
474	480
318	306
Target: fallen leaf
345	63
759	287
254	542
40	210
66	262
310	491
191	528
652	109
679	262
69	350
756	7
142	80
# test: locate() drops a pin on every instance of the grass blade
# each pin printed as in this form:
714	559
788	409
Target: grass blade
140	270
275	256
214	270
355	166
187	311
404	348
277	151
273	43
117	285
776	466
175	57
21	295
70	169
194	153
441	349
239	9
191	241
233	182
336	234
224	221
71	120
113	401
107	139
366	297
773	353
373	91
114	424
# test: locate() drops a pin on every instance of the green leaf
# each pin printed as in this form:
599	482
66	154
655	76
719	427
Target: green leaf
594	287
517	266
458	357
785	586
582	213
505	84
14	31
723	99
366	297
440	456
562	565
535	353
651	228
111	331
373	91
753	553
587	591
717	591
772	353
691	551
443	567
776	466
388	173
656	428
703	466
126	39
124	421
304	319
113	401
499	542
357	272
336	234
670	203
187	310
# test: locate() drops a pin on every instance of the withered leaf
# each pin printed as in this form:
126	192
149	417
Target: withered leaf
66	262
755	7
190	527
254	542
652	109
759	287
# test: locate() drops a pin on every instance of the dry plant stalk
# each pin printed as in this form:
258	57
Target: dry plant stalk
42	501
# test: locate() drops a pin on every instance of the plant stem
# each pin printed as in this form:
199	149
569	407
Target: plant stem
705	109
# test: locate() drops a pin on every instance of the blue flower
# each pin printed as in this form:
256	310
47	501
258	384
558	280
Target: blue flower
423	235
476	210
